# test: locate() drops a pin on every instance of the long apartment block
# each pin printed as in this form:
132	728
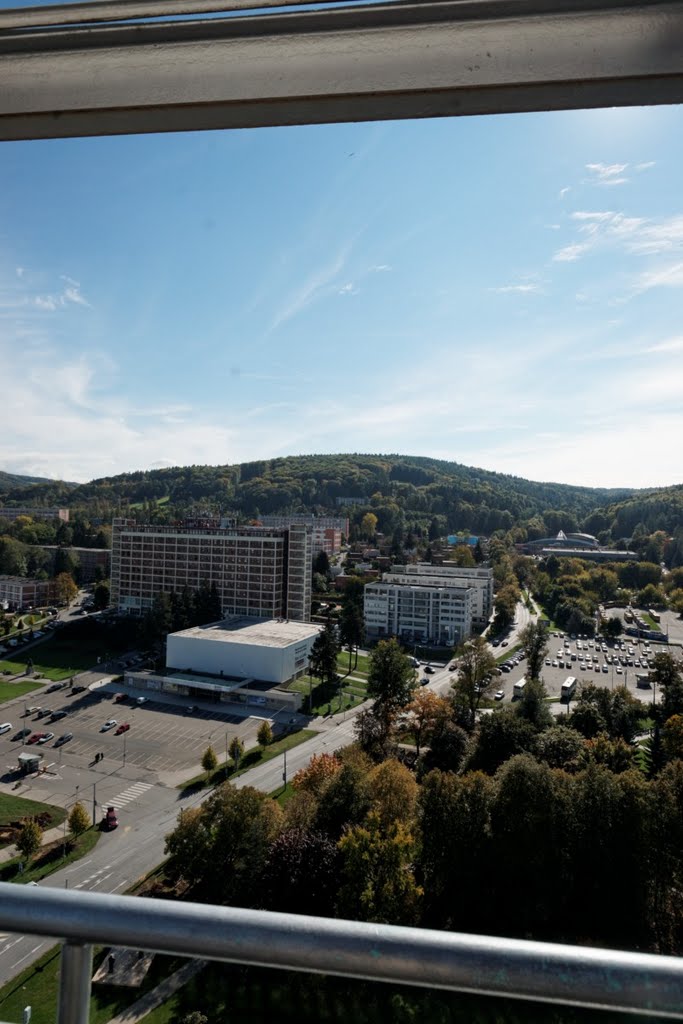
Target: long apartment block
257	571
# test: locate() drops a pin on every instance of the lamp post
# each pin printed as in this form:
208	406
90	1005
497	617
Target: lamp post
23	738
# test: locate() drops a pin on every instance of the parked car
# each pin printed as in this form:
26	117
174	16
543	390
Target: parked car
430	670
192	709
453	667
109	821
141	700
56	716
44	712
124	727
5	727
54	687
21	735
31	711
424	680
108	725
120	698
46	737
77	689
499	694
34	737
61	740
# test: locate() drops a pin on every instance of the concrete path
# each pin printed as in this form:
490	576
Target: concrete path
160	994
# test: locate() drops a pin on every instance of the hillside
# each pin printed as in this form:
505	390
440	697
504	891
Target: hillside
402	490
13	481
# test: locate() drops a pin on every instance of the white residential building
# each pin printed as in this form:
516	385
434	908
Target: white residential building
418	609
479	578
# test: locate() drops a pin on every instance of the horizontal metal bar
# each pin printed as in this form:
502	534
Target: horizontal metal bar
386	61
94	11
567	975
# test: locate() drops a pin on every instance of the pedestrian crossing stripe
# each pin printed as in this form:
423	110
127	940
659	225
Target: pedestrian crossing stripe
132	793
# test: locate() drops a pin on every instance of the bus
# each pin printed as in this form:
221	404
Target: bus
518	689
654	614
568	688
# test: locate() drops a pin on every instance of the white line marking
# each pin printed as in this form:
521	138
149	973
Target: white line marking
35	950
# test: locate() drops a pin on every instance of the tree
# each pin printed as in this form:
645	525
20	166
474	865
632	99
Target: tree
323	660
101	596
378	881
236	750
30	838
559	747
221	848
264	734
320	584
352	619
195	1018
209	762
65	588
393	792
672	737
532	705
425	713
498	738
301	874
79	820
317	774
534	639
612	627
667	675
391	677
368	525
475	675
321	563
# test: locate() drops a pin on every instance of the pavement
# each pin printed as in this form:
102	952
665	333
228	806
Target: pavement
160	994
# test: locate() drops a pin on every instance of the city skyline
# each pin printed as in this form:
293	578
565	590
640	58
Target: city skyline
502	292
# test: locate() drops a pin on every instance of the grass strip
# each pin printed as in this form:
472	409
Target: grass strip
251	758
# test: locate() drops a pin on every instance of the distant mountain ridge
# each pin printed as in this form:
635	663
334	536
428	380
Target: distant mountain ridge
403	488
9	481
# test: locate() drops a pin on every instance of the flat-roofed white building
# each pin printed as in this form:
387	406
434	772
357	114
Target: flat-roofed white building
268	650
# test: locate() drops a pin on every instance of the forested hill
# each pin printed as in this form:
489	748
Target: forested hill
12	481
397	487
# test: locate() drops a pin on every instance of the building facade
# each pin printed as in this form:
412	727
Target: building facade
61	514
327	531
256	571
87	559
479	578
19	592
418	609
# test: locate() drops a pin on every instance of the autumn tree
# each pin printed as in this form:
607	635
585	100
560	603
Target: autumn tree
65	588
378	880
368	525
667	675
209	762
672	737
424	714
317	774
79	820
30	838
264	734
393	793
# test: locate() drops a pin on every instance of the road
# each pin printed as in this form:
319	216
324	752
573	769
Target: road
135	848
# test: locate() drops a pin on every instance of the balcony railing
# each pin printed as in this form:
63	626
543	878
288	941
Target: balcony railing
637	983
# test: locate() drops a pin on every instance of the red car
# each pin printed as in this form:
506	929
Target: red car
110	821
35	737
120	698
122	728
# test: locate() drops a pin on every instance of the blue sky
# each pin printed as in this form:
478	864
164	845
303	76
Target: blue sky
505	292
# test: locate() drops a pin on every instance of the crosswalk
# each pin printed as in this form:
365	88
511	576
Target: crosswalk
132	793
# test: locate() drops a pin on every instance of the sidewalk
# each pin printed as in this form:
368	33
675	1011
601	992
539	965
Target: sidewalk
160	994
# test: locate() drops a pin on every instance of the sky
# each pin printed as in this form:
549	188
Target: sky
505	292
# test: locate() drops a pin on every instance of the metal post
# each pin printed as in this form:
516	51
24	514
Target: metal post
124	750
74	984
23	726
94	801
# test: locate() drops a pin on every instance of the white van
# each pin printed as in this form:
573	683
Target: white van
518	689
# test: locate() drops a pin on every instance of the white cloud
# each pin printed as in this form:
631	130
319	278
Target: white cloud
664	277
670	345
522	288
380	268
607	174
645	166
20	271
318	283
571	252
46	302
348	289
564	191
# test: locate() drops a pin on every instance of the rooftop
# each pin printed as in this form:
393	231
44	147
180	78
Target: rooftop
242	629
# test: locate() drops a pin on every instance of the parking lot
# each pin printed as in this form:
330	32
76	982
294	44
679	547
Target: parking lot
162	737
588	660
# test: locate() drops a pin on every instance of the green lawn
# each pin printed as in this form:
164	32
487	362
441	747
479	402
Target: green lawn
12	808
356	688
67	652
52	860
10	691
651	623
252	757
360	669
38	986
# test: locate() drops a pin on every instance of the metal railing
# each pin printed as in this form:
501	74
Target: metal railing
599	979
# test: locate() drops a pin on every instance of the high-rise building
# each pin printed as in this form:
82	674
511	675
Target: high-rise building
256	571
327	530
